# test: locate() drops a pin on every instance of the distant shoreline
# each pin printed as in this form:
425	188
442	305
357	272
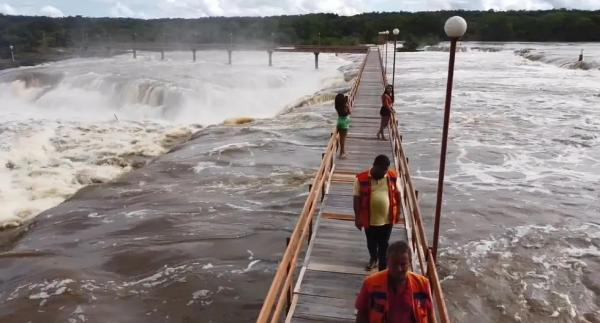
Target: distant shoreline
25	59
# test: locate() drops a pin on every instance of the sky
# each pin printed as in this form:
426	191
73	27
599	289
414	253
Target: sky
205	8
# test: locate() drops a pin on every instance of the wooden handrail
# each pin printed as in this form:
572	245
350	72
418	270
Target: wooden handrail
283	280
421	249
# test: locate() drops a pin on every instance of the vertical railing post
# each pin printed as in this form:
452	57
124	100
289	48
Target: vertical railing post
310	231
289	296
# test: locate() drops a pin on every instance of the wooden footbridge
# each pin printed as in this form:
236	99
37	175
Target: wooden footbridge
324	285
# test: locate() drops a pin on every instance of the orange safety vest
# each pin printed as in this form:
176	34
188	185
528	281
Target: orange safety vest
377	289
364	180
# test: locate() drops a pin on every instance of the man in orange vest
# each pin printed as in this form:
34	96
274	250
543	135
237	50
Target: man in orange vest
395	295
376	208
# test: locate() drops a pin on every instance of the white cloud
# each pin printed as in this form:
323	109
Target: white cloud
205	8
121	10
51	11
6	9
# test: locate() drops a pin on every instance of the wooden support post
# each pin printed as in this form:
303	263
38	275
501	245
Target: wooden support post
309	187
194	54
316	60
270	52
290	292
229	56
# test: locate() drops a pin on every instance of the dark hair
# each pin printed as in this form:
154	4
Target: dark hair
391	93
340	104
382	160
398	248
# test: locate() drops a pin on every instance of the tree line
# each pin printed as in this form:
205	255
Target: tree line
34	33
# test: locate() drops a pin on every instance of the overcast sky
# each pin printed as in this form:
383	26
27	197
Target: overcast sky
204	8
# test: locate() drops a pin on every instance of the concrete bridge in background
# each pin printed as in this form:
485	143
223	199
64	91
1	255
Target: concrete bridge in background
134	47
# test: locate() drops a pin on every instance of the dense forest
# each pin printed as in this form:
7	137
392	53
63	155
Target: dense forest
35	33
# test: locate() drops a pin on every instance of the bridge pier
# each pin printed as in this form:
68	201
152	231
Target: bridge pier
229	56
270	52
194	54
316	60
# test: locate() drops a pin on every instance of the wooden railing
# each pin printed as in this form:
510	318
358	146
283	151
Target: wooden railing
281	291
414	223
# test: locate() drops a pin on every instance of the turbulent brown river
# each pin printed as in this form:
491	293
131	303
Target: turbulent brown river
124	196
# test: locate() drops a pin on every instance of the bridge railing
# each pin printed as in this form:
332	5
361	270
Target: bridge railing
414	223
281	291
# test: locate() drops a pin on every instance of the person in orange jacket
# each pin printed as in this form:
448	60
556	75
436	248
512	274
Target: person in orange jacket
395	295
377	208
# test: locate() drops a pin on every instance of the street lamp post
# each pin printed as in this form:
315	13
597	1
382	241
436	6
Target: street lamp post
455	28
381	37
12	53
395	32
386	33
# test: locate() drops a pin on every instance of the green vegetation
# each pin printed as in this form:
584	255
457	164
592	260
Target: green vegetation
39	33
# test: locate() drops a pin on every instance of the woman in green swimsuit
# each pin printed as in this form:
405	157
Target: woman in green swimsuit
343	121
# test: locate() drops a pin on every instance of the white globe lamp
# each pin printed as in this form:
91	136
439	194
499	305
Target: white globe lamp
455	27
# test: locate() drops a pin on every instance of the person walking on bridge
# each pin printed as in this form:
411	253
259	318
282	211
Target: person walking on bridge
387	107
377	208
343	121
395	295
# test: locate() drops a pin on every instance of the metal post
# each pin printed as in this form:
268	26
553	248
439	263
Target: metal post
270	57
581	56
162	54
12	53
316	60
230	48
386	43
319	39
194	54
394	67
133	37
440	190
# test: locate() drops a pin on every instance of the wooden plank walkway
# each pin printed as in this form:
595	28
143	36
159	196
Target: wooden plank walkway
333	269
